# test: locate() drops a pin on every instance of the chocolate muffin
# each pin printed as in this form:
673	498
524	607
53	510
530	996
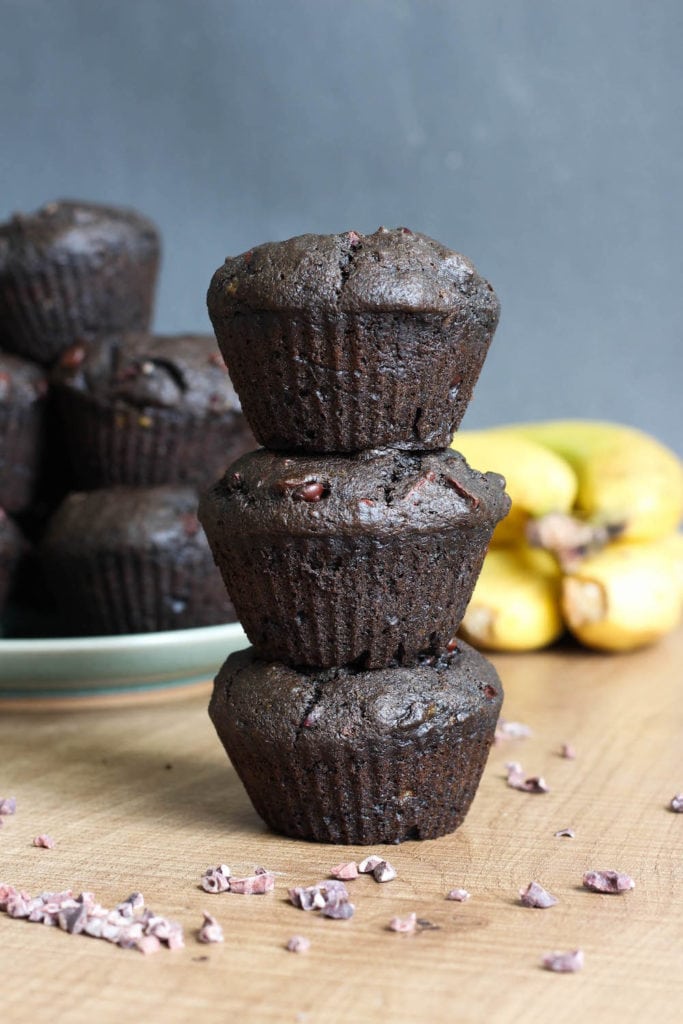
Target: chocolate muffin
23	392
338	343
74	271
132	560
340	756
366	559
139	409
12	547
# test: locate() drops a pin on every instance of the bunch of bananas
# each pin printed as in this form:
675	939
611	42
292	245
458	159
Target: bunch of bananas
591	542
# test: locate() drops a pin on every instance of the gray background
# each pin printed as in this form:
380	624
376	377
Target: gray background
543	138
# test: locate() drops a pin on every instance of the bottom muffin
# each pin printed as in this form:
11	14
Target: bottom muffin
132	560
358	757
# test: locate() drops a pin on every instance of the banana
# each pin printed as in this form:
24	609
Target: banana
516	602
672	549
537	480
625	596
628	482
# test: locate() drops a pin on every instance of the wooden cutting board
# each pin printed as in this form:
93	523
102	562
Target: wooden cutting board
144	799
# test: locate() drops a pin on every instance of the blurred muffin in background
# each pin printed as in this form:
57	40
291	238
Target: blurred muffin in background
23	392
132	560
141	410
74	271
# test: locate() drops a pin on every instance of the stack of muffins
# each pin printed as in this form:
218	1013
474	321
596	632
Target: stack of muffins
107	432
350	544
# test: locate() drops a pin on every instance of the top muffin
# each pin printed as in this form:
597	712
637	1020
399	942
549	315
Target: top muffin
346	342
74	271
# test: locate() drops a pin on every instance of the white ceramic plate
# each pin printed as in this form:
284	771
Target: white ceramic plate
114	668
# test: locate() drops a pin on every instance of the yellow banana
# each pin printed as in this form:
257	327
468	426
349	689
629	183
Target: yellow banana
537	480
627	480
623	597
516	602
672	549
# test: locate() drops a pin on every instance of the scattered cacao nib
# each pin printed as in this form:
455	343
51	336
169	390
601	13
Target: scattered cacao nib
608	881
135	901
44	841
307	897
83	915
346	872
403	924
210	930
148	944
338	908
331	897
567	833
8	805
517	779
384	872
536	896
459	895
568	751
216	879
367	866
6	893
676	804
73	919
298	944
511	731
563	963
254	885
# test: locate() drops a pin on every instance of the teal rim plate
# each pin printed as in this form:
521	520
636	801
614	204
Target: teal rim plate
114	666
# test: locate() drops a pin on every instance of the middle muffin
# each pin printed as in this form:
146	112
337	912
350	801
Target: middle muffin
368	559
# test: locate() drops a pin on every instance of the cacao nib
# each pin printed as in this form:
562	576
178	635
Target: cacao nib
563	963
608	881
536	896
517	779
47	842
459	895
403	924
210	930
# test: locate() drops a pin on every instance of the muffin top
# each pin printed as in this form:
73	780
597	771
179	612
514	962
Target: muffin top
184	372
78	228
22	382
373	492
116	518
390	270
340	704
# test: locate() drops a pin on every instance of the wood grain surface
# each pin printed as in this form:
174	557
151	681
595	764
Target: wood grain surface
144	799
